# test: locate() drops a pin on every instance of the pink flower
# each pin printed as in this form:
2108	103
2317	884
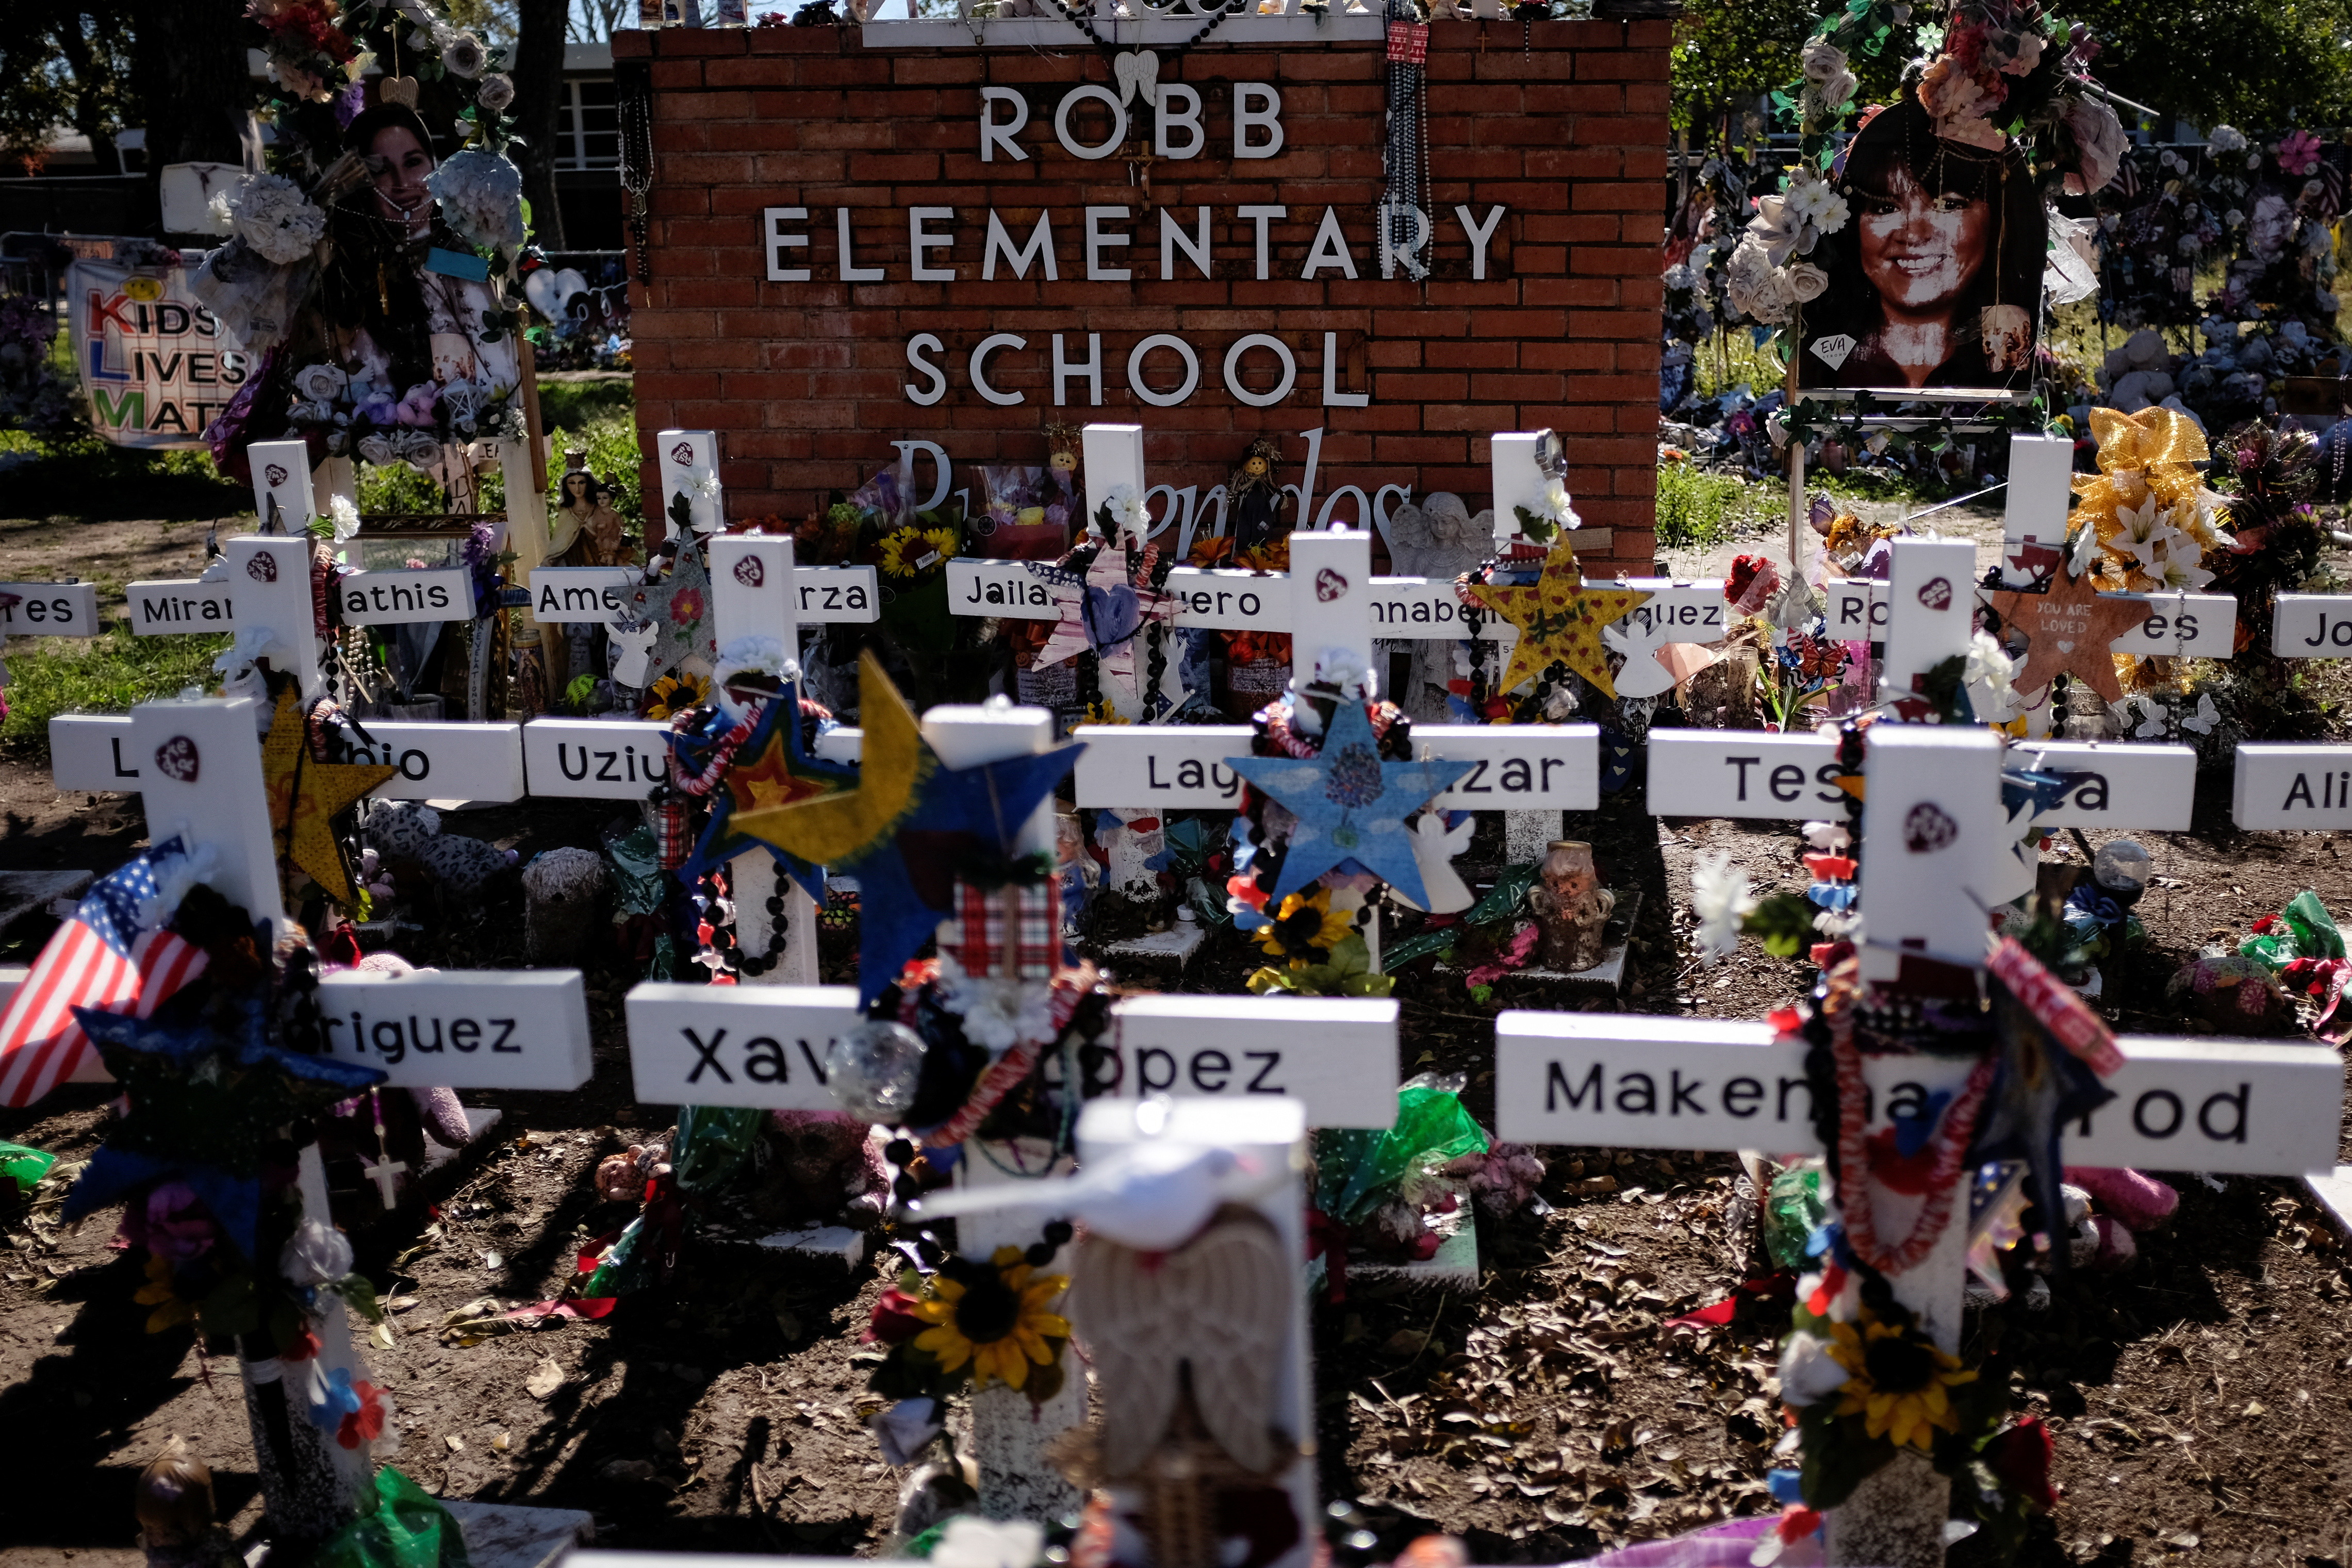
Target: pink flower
2299	153
686	607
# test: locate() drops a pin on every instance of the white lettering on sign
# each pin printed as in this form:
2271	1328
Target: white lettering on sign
2304	626
446	761
50	610
1171	767
2283	785
405	596
2112	785
1629	1080
1551	767
1008	589
594	759
1678	612
836	593
2194	625
462	1029
175	606
563	594
1740	773
730	1045
92	751
1337	1056
1226	601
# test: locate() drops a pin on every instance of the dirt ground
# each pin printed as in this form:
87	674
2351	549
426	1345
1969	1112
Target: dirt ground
2200	1402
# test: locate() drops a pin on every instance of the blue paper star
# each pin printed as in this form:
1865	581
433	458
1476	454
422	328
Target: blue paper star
1350	805
770	769
905	878
181	1036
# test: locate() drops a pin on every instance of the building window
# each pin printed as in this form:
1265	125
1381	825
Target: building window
589	136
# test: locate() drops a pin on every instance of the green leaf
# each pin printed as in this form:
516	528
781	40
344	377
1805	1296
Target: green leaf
1783	923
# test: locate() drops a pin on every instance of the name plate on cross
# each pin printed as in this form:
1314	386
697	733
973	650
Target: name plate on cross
1338	1056
50	610
170	607
436	761
599	594
2312	626
736	1045
1553	767
405	596
2290	786
594	759
462	1029
1637	1082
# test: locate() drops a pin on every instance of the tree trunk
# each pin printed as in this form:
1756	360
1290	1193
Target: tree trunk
87	67
539	98
188	65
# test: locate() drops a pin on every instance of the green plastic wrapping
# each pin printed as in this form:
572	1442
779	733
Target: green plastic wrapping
26	1166
2305	931
1365	1167
713	1143
638	881
406	1528
1793	1210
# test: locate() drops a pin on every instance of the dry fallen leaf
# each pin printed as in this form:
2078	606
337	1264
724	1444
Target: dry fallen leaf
545	1378
457	1444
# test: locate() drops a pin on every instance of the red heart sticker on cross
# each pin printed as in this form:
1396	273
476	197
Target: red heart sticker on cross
262	568
1928	828
176	758
1329	585
682	453
275	475
749	572
1935	593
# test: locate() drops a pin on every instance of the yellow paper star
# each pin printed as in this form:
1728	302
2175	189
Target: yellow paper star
1560	620
306	794
826	828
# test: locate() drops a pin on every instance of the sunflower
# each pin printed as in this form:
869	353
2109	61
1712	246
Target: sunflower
673	694
912	551
1304	922
1897	1380
994	1318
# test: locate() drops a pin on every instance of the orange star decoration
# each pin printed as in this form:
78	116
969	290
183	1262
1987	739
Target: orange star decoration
306	794
1559	620
2069	631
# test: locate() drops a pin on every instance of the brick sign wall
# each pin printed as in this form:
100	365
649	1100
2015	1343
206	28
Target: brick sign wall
769	141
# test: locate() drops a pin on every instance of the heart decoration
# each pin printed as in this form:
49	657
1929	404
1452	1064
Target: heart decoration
682	454
749	572
275	475
1928	829
262	568
1935	593
1329	585
1112	616
398	89
176	758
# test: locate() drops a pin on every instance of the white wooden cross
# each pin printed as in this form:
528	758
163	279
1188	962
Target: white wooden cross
200	779
1933	832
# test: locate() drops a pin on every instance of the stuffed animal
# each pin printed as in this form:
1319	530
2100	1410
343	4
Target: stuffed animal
411	830
826	1169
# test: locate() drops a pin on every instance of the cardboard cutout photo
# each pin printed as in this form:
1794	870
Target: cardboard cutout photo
1936	279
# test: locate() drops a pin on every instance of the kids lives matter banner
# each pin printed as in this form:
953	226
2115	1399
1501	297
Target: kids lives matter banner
154	365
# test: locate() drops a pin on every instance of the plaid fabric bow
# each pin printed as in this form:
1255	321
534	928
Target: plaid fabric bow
1006	933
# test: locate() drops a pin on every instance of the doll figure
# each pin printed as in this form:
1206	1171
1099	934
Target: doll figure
1572	907
1064	506
1257	499
584	529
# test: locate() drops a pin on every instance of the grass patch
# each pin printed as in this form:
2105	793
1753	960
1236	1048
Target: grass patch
50	675
1697	508
573	405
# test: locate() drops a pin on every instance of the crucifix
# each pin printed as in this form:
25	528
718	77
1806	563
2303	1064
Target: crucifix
1934	832
203	782
385	1173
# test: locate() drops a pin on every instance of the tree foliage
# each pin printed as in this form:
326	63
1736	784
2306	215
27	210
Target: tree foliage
63	63
2261	65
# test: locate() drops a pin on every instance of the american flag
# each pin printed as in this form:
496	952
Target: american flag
99	958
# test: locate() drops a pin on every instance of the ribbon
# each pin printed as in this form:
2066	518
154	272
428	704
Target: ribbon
2326	979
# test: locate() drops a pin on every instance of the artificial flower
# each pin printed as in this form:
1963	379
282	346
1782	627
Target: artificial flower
463	55
1809	1374
913	551
2099	143
2298	155
1825	69
686	606
1806	282
1782	229
480	192
1989	663
157	1292
494	92
272	215
1897	1381
317	1254
997	1012
1720	898
994	1320
673	694
1304	924
1129	514
1816	200
341	522
893	1319
2225	139
321	383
